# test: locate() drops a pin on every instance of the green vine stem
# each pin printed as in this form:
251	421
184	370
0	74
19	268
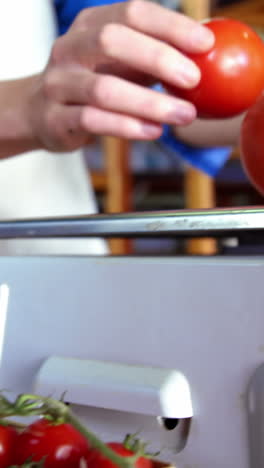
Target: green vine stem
35	405
30	464
15	424
123	462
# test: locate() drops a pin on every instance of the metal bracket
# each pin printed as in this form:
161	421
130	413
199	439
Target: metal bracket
255	413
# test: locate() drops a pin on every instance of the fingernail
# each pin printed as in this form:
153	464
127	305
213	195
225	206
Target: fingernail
149	130
188	75
183	114
202	38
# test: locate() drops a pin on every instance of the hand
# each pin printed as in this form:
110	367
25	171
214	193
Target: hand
98	76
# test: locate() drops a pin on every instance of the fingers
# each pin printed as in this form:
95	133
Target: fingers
155	58
137	34
149	56
169	26
62	129
90	82
154	20
104	122
69	127
82	87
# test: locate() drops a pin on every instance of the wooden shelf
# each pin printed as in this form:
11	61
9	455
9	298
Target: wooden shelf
99	180
248	11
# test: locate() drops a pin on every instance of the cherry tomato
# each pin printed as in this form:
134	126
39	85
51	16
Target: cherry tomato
95	459
232	72
61	444
8	438
252	144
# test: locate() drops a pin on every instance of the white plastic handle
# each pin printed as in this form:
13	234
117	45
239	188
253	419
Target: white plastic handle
136	389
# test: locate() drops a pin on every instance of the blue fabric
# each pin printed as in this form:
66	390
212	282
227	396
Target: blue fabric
67	10
208	160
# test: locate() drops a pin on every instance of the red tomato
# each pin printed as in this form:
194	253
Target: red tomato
8	438
61	444
95	459
232	71
252	144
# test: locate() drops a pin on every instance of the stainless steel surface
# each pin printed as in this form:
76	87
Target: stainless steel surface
218	222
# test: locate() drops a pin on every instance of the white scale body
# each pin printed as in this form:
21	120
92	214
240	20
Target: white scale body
198	318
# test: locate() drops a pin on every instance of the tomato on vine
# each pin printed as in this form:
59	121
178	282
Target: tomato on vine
95	459
60	445
8	439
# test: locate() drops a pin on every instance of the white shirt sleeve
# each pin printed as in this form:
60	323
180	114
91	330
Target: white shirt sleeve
39	183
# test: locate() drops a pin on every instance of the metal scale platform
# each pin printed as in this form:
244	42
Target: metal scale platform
169	346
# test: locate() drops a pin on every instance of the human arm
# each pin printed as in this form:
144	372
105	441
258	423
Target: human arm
16	132
95	82
208	133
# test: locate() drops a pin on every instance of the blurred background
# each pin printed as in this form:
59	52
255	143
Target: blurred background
129	176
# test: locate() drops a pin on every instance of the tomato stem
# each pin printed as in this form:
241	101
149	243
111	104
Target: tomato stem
35	405
123	462
10	423
30	464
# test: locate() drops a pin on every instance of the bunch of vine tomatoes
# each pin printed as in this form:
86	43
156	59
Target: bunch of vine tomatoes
55	445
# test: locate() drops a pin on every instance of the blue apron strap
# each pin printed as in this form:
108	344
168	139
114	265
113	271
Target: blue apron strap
209	160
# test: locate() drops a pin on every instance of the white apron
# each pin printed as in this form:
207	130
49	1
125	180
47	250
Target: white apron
39	183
